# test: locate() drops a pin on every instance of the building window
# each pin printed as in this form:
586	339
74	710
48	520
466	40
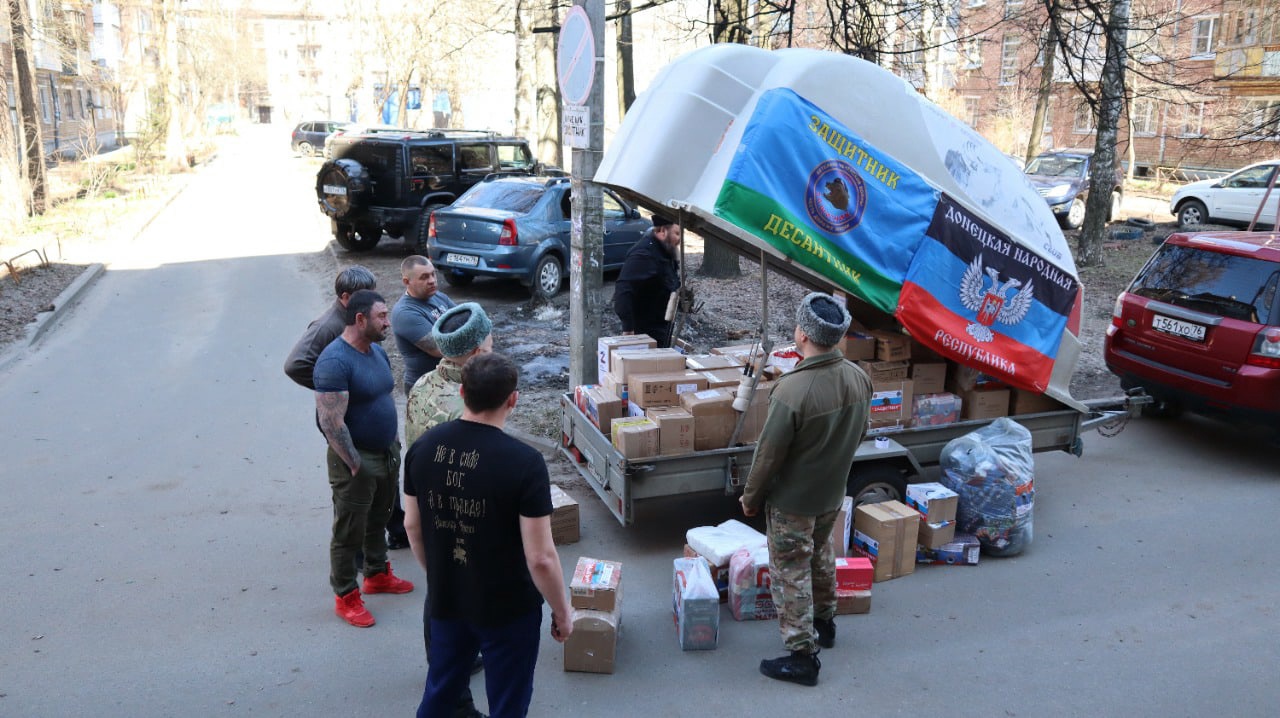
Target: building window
1009	59
971	105
1084	121
1143	116
1261	119
1271	63
46	106
971	53
1191	120
1012	8
1202	36
1048	119
68	104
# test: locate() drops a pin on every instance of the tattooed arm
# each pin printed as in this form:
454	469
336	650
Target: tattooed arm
331	408
428	345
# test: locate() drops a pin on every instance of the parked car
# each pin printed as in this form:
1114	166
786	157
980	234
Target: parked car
309	135
518	227
390	180
1234	199
1062	178
1199	327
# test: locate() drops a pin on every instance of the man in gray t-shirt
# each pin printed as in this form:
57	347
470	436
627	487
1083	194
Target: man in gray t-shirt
415	314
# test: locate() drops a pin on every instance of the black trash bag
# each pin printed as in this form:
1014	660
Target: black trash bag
992	471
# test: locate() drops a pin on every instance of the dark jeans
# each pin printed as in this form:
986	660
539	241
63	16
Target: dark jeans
466	702
361	505
510	656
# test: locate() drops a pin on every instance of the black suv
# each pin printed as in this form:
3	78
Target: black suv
392	180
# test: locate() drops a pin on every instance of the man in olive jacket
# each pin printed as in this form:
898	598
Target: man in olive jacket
817	417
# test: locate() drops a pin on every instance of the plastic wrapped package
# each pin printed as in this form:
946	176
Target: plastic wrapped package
718	543
696	605
750	596
992	470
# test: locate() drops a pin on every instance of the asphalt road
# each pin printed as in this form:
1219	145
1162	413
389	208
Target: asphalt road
166	521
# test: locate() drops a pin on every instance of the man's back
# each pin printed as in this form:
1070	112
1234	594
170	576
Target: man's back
433	400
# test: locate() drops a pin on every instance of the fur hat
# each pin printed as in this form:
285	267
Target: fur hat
466	338
661	221
822	319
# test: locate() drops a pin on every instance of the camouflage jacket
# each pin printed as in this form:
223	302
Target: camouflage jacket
433	400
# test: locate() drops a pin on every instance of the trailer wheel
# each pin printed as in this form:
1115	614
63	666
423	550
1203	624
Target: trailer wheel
873	483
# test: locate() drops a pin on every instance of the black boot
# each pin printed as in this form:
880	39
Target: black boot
799	667
826	630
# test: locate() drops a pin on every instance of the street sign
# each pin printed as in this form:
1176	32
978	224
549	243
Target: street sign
577	126
575	59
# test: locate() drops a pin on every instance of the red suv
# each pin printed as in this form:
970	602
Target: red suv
1199	327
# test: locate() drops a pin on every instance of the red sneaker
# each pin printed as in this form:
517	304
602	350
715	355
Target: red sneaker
350	608
386	582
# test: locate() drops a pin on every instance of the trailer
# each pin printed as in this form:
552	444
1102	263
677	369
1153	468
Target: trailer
835	173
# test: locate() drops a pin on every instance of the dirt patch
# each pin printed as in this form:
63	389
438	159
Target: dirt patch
30	292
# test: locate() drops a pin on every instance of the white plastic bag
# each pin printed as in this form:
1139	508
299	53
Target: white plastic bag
993	471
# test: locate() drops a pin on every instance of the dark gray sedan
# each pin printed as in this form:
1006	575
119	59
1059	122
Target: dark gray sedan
518	227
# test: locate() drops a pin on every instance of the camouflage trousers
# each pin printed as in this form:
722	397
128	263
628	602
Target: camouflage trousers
802	574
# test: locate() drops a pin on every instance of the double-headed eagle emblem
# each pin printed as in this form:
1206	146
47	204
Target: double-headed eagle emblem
990	302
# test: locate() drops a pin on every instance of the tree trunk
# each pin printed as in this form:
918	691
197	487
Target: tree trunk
1102	170
175	148
526	73
32	141
548	96
626	70
1045	93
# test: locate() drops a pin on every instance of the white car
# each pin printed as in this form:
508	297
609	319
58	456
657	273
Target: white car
1234	199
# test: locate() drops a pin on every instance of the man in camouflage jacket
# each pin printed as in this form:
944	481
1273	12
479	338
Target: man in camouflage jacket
817	418
460	333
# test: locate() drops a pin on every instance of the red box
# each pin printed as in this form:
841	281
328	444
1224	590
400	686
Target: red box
854	573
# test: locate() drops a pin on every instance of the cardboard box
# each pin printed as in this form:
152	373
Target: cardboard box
935	409
675	429
596	585
843	528
988	404
713	417
593	645
635	437
606	346
935	502
928	377
858	345
719	572
737	349
564	517
650	390
600	405
757	412
854	573
615	385
962	550
890	404
750	596
886	533
965	379
717	378
885	371
852	602
1029	402
933	536
695	605
891	346
646	361
706	362
633	411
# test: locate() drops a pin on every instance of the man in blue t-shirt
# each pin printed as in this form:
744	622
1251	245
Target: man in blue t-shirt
358	417
415	314
478	512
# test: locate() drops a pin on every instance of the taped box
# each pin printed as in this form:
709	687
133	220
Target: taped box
635	437
650	390
596	584
599	404
675	429
935	409
885	371
984	404
929	377
891	346
935	502
593	645
854	573
717	378
933	536
704	362
852	602
607	346
564	517
890	403
962	550
646	361
844	527
695	606
713	417
886	533
750	595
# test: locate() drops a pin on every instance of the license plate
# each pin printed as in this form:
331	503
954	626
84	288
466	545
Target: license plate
466	259
1178	328
335	189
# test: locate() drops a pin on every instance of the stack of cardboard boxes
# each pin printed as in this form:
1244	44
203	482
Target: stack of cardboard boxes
595	593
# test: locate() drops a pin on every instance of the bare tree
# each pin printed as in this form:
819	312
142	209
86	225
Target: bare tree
32	142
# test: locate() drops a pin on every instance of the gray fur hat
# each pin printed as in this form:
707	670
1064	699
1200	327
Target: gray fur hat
822	319
464	339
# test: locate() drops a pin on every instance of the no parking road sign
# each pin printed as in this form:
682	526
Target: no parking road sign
576	57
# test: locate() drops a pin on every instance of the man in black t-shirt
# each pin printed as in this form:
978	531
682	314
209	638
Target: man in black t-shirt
478	514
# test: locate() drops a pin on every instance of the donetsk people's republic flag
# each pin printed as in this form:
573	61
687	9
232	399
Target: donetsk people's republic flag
822	196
